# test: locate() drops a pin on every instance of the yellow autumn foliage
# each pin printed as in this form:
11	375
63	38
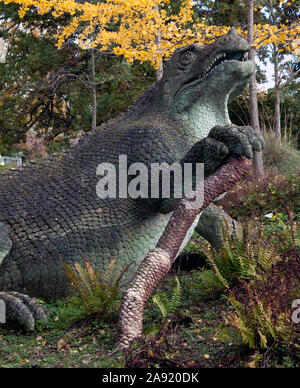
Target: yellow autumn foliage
139	24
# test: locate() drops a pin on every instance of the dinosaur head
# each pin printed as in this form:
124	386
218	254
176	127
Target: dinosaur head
198	81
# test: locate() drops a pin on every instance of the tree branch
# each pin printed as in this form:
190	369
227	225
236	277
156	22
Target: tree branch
158	262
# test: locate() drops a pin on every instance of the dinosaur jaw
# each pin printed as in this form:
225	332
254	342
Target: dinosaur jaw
202	104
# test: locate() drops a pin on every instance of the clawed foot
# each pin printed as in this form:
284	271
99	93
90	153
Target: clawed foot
24	310
223	141
238	140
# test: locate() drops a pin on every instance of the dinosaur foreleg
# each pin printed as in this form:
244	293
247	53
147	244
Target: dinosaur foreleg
213	151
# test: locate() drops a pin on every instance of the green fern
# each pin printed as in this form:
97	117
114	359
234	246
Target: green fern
95	292
175	301
161	303
238	257
168	306
254	324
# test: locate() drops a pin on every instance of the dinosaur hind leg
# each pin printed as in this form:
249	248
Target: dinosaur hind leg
18	307
24	310
209	225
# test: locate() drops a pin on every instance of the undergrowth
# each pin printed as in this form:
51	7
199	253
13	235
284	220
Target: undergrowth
257	198
262	309
95	293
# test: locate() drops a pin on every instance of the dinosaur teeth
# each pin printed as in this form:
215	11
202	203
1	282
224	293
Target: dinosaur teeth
224	58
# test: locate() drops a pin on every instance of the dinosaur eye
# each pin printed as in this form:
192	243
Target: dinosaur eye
186	58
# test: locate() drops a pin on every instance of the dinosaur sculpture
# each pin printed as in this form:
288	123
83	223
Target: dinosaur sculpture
50	212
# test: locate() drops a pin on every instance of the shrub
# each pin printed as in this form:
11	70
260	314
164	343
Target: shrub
281	156
241	257
167	303
96	293
261	313
253	197
168	306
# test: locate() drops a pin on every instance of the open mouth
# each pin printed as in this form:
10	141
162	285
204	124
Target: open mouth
240	56
226	77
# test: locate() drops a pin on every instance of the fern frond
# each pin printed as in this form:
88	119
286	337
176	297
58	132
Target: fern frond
175	301
95	293
161	304
75	281
84	277
116	281
108	274
92	273
211	259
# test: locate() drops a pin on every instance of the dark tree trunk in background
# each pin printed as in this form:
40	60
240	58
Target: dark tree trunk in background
159	70
277	94
258	166
94	90
275	55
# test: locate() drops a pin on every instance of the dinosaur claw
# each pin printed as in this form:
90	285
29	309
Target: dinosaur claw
36	308
239	140
24	310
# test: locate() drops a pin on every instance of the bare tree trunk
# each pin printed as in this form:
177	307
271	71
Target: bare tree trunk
94	90
285	125
277	95
257	156
158	262
159	70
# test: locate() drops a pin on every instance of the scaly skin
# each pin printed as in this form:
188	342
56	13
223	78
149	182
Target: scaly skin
50	211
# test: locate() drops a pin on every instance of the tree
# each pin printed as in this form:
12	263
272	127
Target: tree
141	30
130	27
257	156
32	95
278	13
54	97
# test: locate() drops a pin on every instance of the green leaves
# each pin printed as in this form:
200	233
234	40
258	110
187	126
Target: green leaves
166	306
97	293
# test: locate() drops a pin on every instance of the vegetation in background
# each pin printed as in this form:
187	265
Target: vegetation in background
262	277
51	96
267	200
48	95
290	115
282	156
239	258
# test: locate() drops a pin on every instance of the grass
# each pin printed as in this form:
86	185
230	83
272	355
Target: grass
6	167
282	156
189	340
88	347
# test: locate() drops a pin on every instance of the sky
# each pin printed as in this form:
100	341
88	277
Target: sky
269	68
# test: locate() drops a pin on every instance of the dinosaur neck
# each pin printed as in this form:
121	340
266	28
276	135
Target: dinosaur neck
197	117
203	115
